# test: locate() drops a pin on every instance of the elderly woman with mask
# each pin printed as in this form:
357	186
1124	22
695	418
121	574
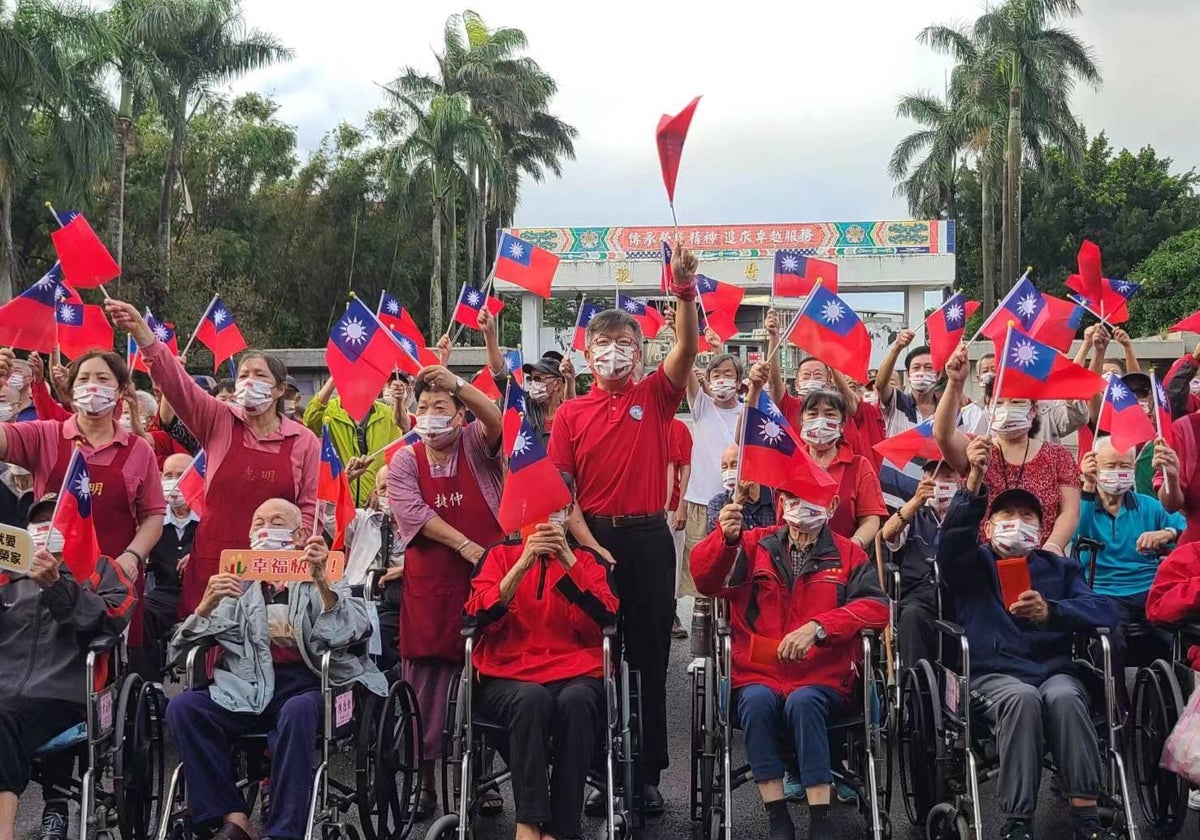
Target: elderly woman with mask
444	493
253	453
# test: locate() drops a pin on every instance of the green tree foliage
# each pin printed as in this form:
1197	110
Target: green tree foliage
1169	291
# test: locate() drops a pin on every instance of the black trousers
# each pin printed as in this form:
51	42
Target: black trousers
1149	644
162	606
645	582
389	626
915	633
569	711
26	723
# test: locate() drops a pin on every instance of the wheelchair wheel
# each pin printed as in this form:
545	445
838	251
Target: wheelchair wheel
139	778
387	765
702	764
884	742
453	733
444	828
631	759
339	831
1157	704
946	823
918	745
716	824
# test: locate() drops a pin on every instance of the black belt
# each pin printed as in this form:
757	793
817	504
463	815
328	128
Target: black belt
627	521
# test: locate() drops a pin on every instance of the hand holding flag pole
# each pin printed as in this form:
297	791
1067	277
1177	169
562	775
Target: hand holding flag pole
1158	429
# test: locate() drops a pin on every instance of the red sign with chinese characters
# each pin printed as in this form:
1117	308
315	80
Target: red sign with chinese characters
277	566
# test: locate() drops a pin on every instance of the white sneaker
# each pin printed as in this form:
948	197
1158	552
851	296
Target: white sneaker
1194	800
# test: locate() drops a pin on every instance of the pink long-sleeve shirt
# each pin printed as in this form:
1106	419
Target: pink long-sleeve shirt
214	423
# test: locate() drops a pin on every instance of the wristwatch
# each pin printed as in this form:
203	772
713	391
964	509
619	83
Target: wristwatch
821	634
459	382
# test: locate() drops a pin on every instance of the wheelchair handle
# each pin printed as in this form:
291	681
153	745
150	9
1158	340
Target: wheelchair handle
609	631
104	643
949	628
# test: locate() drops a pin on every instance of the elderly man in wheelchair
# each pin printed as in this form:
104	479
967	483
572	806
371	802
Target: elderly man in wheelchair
540	607
1030	690
267	679
50	620
799	596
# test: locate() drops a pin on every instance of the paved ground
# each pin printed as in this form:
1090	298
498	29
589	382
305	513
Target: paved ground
748	818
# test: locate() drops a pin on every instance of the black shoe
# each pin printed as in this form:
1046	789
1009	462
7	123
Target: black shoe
1017	830
55	821
652	801
1089	828
596	805
677	631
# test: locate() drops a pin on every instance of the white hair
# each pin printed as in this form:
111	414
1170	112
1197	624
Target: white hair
1105	442
148	403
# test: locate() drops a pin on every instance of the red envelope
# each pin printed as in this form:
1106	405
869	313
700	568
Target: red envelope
764	651
1014	579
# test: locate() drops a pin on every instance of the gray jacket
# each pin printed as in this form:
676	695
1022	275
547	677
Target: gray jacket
244	680
45	633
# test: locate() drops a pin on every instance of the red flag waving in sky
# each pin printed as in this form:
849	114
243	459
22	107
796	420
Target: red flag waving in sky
334	488
671	133
829	328
796	274
587	311
715	294
945	329
648	318
85	261
360	356
82	327
219	332
526	265
471	302
395	317
1031	370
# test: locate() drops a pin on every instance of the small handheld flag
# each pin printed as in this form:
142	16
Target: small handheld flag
471	302
333	488
191	484
587	311
1122	416
945	327
27	321
361	356
85	261
73	519
647	316
1035	371
534	489
670	136
524	264
219	332
830	329
797	274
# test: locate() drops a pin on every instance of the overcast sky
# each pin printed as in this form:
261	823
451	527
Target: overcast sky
797	121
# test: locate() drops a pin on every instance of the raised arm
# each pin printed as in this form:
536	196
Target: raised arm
485	411
777	387
1132	365
314	412
495	357
883	376
950	440
678	365
843	386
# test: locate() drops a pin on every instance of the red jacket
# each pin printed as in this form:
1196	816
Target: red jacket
1175	595
838	587
552	628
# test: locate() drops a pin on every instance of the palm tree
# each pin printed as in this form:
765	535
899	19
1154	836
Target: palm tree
445	140
211	46
1034	62
928	187
138	29
51	58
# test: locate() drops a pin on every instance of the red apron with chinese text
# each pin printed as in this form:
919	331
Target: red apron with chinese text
843	521
1191	493
113	515
246	478
437	580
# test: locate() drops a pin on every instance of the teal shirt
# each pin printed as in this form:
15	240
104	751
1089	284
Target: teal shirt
1120	568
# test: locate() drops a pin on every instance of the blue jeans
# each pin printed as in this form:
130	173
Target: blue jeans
806	713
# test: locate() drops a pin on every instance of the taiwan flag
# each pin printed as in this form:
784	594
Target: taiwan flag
514	409
587	311
534	489
945	327
192	483
1122	416
1110	298
81	327
361	356
470	302
333	488
395	317
716	295
773	457
767	406
1050	320
909	445
27	321
525	265
648	318
485	383
410	439
797	274
670	136
73	519
1162	410
829	329
84	259
721	322
515	365
668	278
1034	371
219	332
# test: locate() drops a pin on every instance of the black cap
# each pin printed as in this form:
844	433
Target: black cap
1015	497
548	364
290	382
47	501
1136	382
402	375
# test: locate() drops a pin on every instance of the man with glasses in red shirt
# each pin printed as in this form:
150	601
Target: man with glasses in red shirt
614	442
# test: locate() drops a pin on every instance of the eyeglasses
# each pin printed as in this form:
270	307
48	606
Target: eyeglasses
605	343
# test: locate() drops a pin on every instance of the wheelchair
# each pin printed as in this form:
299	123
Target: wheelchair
120	741
1160	693
470	734
940	732
860	751
380	737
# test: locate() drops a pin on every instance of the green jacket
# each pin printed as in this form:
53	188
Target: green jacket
381	430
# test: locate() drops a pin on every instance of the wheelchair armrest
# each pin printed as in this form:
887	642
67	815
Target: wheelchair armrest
104	643
469	631
1101	631
868	633
609	631
891	568
949	628
371	584
1188	630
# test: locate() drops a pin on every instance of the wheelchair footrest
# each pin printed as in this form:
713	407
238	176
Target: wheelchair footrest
77	734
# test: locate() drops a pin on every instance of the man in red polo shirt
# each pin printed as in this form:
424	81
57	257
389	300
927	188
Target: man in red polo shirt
615	443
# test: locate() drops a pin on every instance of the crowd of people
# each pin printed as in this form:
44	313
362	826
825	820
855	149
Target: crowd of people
660	511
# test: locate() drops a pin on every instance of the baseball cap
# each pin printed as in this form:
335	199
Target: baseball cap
1015	497
47	501
548	364
1137	382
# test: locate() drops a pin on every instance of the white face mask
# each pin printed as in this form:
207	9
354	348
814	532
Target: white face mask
434	428
1114	482
272	539
612	361
6	412
559	518
388	398
804	516
723	389
729	479
943	492
38	532
381	502
922	381
125	422
1011	420
1014	537
538	392
253	395
820	431
808	386
17	382
871	397
170	487
985	378
94	399
1194	387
